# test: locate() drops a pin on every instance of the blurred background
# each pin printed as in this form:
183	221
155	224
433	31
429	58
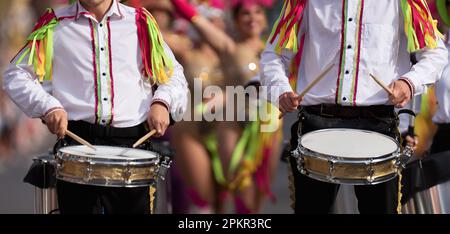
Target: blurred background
22	138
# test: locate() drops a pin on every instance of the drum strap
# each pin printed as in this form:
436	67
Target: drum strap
444	127
291	185
349	112
400	194
400	176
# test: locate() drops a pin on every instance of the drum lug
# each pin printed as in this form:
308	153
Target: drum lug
370	172
164	167
301	165
88	176
404	157
127	174
59	163
331	170
295	153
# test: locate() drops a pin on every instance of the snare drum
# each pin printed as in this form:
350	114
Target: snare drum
107	166
348	156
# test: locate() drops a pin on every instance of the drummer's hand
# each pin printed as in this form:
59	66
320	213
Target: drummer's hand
412	142
158	118
289	102
402	93
56	122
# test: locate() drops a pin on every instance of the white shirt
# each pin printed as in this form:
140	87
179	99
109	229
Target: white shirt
366	36
442	91
96	72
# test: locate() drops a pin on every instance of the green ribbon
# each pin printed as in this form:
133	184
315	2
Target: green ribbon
158	55
46	31
211	144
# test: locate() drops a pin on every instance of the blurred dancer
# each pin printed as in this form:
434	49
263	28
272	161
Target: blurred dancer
243	159
200	61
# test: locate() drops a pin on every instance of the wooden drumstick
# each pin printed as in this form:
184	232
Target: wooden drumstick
144	138
79	139
312	84
379	82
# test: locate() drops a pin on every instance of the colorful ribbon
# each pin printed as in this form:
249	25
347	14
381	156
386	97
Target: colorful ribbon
420	27
157	65
40	46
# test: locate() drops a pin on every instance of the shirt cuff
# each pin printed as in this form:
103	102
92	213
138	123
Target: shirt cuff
161	102
164	98
50	105
412	79
49	112
410	84
276	91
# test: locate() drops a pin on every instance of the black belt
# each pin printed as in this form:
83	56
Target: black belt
96	130
444	127
337	111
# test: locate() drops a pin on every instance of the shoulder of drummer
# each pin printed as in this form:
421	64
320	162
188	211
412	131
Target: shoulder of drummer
174	92
275	70
26	87
431	61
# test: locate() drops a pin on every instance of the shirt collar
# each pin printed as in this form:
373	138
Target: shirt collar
114	11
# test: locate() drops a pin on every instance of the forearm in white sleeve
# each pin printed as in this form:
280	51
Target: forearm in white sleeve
174	92
22	86
427	70
274	72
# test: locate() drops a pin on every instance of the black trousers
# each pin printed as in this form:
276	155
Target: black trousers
441	139
87	199
317	197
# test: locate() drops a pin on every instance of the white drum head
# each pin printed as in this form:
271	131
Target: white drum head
349	143
108	152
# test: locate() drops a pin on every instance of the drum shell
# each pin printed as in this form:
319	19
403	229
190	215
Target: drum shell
351	171
106	172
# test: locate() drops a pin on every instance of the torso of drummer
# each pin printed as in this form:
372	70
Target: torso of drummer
356	38
110	71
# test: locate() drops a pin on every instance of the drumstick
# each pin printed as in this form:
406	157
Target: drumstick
379	82
312	84
79	139
144	138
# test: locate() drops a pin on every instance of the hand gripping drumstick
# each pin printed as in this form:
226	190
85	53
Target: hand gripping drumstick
76	138
312	84
79	139
144	138
379	82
